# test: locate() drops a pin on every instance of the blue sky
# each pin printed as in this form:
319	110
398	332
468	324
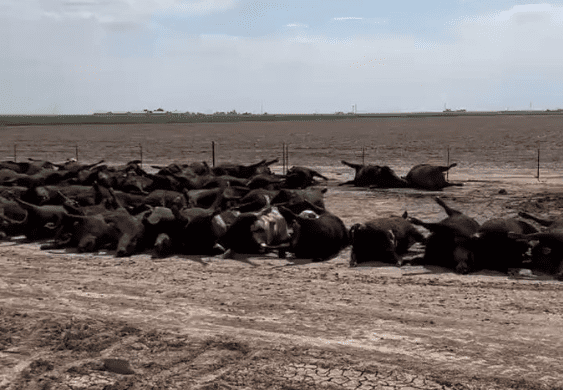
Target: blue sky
84	56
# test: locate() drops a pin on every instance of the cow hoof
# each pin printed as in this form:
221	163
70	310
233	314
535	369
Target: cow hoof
463	270
229	254
282	254
219	249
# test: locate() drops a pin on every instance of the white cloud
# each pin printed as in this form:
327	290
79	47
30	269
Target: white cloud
296	25
348	18
110	11
201	7
521	12
219	37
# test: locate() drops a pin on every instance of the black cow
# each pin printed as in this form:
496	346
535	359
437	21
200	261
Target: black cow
382	239
73	166
317	236
300	200
196	235
451	243
87	233
41	221
265	181
429	177
131	229
495	249
28	168
547	255
162	231
301	177
243	171
256	200
375	176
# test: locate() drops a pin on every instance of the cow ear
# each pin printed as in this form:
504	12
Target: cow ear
405	215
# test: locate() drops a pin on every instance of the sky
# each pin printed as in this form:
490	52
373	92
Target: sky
306	56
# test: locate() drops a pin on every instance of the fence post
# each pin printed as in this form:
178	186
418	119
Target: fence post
287	157
15	153
213	153
363	155
448	163
538	161
283	158
141	152
76	154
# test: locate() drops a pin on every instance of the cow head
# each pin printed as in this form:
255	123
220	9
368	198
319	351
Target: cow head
463	256
270	228
87	244
163	245
127	245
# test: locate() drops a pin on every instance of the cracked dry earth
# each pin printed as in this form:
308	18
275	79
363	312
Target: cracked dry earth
71	321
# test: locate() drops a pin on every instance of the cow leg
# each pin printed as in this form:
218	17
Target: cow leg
559	273
543	222
59	244
447	208
353	259
313	207
398	260
447	168
219	248
357	167
317	174
426	225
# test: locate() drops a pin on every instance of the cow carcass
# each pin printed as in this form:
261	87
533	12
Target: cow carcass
382	239
451	243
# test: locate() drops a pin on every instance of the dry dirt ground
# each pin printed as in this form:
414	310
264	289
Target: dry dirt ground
71	321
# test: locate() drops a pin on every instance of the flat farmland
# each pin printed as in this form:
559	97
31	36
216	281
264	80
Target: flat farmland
193	322
478	144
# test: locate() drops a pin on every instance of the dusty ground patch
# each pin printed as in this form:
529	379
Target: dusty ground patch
250	323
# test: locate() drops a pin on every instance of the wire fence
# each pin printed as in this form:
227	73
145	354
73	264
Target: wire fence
542	162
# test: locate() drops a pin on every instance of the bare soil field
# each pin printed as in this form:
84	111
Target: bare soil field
70	321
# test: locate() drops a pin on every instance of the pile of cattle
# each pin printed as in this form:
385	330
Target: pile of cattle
189	209
231	208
